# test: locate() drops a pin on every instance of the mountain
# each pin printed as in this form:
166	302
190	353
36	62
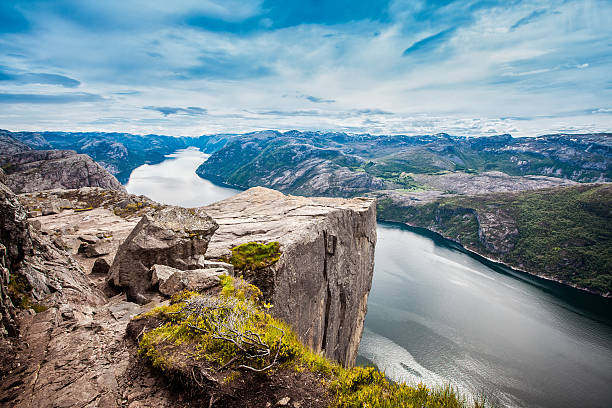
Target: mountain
561	233
34	170
119	153
338	164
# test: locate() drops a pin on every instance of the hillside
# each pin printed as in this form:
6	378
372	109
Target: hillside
311	162
34	170
119	153
562	233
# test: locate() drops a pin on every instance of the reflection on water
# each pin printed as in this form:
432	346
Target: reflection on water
174	181
437	315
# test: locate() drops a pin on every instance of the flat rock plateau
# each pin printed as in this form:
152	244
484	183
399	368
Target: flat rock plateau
74	351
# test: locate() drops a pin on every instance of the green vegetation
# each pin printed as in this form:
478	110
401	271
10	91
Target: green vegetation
19	290
233	334
563	233
255	255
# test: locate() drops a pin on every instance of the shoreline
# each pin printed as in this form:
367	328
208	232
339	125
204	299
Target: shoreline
502	267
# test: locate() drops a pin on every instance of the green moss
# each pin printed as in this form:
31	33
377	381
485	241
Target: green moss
255	255
19	291
185	335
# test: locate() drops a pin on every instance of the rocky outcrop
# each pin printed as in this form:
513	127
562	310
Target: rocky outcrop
497	231
172	236
321	282
70	351
36	170
75	352
197	280
10	145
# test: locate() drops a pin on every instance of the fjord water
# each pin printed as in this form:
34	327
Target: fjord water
438	315
175	182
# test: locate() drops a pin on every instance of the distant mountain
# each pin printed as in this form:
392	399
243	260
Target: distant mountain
119	153
35	170
338	164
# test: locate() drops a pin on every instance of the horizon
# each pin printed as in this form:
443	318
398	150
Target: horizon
471	68
319	131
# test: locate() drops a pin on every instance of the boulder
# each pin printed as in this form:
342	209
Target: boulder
100	267
195	280
207	264
161	273
90	239
95	250
172	236
51	208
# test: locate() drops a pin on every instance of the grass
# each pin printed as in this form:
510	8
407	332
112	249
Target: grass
255	255
185	336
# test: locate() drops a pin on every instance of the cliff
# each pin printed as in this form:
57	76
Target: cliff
321	282
66	313
35	170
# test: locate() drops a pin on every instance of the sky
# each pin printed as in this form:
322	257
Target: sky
465	67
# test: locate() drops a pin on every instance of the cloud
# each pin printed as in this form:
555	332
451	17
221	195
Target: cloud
169	110
74	97
290	113
221	65
315	99
373	112
40	78
429	43
397	66
528	19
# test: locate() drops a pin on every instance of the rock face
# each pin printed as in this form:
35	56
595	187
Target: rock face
321	282
36	170
195	280
172	236
75	352
10	145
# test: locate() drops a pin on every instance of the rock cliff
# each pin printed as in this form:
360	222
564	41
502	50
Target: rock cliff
36	170
321	282
73	351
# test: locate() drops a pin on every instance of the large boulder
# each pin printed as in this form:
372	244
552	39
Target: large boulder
172	236
196	280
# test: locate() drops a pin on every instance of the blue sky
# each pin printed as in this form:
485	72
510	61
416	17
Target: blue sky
413	67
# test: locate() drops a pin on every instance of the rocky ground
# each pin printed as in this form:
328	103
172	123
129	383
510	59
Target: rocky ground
70	346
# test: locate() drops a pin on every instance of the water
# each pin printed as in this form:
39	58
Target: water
175	182
437	315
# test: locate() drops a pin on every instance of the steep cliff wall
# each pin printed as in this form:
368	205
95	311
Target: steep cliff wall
321	282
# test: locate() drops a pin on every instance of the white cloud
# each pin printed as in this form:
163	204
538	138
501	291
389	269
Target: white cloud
484	73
